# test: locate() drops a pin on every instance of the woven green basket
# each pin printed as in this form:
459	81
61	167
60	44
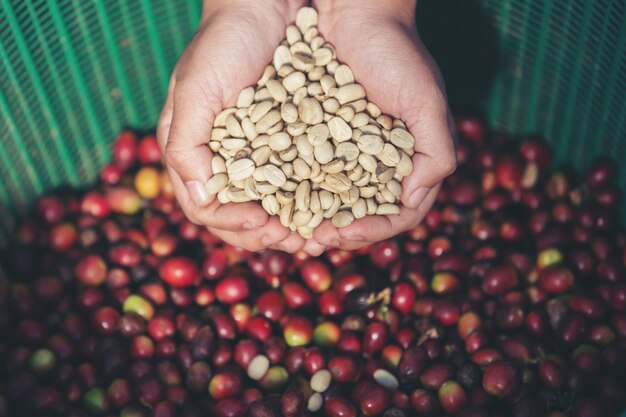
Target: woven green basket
75	72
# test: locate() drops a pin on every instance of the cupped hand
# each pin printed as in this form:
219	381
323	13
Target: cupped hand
378	39
234	42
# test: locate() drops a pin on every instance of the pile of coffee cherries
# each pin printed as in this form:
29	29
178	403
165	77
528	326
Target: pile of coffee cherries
508	300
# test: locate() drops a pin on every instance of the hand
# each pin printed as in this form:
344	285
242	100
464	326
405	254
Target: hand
378	39
234	42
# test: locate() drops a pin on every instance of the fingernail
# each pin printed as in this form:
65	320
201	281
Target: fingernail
249	225
417	196
349	236
198	193
267	240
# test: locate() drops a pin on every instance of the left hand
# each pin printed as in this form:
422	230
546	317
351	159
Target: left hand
378	40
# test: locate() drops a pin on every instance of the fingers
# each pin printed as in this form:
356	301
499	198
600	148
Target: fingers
370	228
374	228
328	236
257	239
165	118
231	216
313	248
377	228
435	155
293	243
185	149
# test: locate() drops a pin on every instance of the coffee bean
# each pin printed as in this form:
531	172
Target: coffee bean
217	165
359	209
387	209
371	207
294	81
326	199
270	205
279	141
338	182
301	168
285	70
384	173
339	129
334	208
343	75
306	18
277	90
296	129
373	110
233	127
316	220
402	139
349	93
289	154
282	56
303	196
360	119
216	183
234	144
342	219
370	144
265	188
301	218
245	97
321	55
310	111
240	169
385	121
293	34
347	151
334	167
289	113
285	214
284	197
318	134
260	110
323	152
237	195
220	119
389	155
274	175
302	61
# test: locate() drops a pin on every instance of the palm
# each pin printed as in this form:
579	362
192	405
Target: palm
224	57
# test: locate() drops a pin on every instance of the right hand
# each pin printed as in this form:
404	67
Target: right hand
234	42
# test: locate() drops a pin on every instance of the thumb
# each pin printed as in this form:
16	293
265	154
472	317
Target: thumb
186	151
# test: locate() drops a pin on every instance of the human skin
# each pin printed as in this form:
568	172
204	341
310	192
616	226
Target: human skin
235	40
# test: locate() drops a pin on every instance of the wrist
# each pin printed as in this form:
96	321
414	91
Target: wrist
286	8
402	11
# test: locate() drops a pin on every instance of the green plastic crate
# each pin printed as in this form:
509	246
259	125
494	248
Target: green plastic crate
74	73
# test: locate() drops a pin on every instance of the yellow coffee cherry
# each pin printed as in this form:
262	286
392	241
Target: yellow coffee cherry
148	182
